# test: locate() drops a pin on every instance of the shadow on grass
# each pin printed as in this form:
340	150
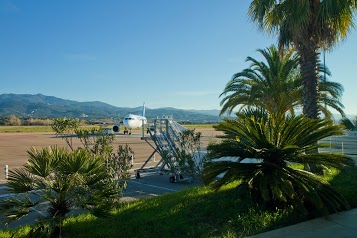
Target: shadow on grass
345	182
196	212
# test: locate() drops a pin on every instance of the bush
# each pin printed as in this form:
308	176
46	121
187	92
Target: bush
38	122
13	120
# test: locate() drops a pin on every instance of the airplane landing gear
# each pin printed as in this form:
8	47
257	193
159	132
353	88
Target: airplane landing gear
126	131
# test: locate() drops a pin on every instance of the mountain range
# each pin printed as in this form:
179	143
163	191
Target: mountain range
41	106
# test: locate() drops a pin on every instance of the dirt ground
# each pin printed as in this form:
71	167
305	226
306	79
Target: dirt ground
14	146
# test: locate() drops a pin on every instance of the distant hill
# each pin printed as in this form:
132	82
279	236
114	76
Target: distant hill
41	106
213	112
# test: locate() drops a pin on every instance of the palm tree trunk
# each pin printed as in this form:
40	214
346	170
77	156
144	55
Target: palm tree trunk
309	73
310	87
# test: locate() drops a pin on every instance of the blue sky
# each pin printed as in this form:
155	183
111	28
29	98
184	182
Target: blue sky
168	53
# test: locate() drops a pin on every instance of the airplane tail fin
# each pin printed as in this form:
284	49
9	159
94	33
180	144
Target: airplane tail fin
144	110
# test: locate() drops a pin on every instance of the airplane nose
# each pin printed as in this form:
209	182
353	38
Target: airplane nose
130	123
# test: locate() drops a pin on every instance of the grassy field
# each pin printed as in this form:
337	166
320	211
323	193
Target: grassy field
199	126
34	129
196	212
25	129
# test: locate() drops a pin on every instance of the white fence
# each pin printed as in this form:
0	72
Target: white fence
346	144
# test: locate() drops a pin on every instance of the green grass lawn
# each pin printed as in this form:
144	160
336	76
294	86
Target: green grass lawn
196	212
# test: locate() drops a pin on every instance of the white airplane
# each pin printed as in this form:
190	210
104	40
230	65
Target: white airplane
134	121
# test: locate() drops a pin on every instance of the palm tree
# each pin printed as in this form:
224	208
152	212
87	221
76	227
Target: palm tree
330	94
310	25
262	146
276	85
350	125
271	85
65	180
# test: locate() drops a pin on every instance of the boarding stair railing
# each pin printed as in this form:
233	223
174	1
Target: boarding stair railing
166	138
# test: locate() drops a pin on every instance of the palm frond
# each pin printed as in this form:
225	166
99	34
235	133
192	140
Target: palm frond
228	172
15	208
348	124
334	160
271	141
319	192
42	162
20	180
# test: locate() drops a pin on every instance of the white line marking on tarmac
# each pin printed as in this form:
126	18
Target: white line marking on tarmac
155	186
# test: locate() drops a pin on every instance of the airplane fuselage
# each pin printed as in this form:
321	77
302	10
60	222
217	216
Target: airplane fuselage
134	121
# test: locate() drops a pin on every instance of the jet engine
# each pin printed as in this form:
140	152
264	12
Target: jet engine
116	128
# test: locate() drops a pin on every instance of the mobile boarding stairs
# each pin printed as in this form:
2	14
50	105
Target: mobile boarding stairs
165	140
